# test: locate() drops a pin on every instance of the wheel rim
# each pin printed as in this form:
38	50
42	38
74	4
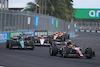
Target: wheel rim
63	54
10	46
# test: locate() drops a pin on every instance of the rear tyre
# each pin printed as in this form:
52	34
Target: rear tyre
32	45
53	50
88	53
68	36
93	54
63	38
7	44
50	41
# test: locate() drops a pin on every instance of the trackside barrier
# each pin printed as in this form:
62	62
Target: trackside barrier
30	32
14	33
17	20
50	32
7	35
82	30
72	34
98	31
4	36
76	30
40	32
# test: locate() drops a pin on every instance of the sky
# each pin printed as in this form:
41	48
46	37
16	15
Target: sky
18	3
76	3
86	4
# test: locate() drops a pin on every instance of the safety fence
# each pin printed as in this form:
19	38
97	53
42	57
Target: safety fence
87	27
17	21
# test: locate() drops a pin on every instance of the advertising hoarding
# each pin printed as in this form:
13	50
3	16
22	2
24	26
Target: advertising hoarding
87	13
4	36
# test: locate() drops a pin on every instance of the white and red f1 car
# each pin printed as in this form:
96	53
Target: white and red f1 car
71	51
42	40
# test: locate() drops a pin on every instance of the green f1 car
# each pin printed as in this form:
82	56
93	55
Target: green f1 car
21	41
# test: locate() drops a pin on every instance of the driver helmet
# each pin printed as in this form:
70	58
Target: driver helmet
41	34
23	33
69	40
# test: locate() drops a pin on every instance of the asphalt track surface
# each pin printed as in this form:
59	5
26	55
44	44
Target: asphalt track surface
40	56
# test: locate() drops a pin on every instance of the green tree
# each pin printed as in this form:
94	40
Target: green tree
59	8
32	7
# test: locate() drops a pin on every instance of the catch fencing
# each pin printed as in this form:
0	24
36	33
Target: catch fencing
88	26
18	21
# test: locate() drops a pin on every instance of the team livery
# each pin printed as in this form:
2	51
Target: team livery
22	41
69	50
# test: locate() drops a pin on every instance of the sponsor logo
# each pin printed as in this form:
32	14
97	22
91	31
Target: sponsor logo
15	34
29	32
40	33
52	21
3	36
82	30
93	31
94	13
87	30
98	31
36	20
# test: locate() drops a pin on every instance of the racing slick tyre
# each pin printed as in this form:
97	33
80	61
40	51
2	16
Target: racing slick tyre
93	54
7	43
88	53
65	52
53	50
11	44
50	41
32	45
63	38
68	36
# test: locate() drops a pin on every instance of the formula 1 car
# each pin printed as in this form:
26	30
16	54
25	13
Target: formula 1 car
21	42
61	36
58	37
72	51
42	40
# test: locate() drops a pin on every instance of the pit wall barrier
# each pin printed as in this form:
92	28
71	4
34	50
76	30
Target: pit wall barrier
82	30
7	35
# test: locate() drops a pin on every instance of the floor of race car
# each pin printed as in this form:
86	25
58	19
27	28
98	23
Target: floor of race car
39	57
48	44
25	47
45	44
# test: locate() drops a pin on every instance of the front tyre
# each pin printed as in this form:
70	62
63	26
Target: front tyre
88	53
11	43
53	50
65	52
